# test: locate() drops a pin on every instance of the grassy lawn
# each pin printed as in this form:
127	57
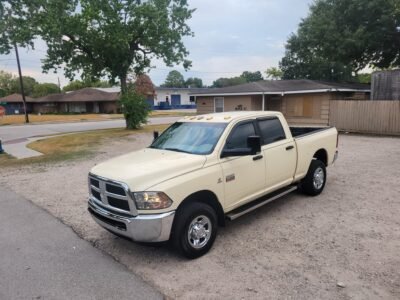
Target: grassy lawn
166	113
20	119
73	146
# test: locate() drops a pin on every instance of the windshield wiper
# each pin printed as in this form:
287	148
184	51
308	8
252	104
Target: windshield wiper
177	150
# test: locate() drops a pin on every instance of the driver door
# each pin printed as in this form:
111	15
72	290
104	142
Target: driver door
243	176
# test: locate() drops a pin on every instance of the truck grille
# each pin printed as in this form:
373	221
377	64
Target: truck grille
111	194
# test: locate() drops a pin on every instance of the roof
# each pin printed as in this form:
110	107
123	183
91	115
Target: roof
227	117
82	95
16	98
117	89
285	87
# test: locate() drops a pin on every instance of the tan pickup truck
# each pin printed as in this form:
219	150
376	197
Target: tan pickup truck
204	170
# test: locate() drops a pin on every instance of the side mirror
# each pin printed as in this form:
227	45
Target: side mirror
254	143
155	134
253	147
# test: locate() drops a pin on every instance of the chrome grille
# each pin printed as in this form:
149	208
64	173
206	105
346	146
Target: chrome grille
111	194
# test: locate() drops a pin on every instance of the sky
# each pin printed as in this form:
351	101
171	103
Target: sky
231	36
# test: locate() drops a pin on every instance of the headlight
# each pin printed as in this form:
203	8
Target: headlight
151	200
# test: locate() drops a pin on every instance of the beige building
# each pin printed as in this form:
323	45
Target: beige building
301	101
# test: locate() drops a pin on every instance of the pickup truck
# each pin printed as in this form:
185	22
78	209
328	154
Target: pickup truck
204	170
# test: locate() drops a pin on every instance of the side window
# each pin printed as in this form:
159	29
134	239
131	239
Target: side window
271	130
238	138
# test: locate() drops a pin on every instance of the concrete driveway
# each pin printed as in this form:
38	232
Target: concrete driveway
16	137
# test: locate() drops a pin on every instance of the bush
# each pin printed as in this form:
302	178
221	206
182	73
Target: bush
135	109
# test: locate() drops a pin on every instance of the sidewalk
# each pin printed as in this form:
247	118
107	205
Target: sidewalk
44	259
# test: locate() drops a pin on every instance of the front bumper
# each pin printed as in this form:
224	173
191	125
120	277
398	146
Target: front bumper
142	228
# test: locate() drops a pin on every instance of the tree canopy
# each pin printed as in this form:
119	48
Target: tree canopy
174	80
342	37
194	82
99	37
79	84
274	73
245	77
252	76
43	89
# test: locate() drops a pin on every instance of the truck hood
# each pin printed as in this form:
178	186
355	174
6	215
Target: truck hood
142	169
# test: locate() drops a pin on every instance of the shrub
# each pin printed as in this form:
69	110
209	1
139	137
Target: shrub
135	109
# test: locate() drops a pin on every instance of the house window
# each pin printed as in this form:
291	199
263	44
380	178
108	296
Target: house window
191	99
218	104
300	107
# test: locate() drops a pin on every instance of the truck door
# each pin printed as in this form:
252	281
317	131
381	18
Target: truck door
243	176
280	153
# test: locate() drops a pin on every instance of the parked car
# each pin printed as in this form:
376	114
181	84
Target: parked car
205	170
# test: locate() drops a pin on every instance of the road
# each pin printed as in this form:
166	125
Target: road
44	259
20	132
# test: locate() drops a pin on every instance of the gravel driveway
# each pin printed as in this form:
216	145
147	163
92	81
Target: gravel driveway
342	244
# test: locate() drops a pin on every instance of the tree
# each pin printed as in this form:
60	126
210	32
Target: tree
274	73
99	38
174	80
6	82
78	84
144	86
223	82
44	89
194	82
29	84
342	37
252	76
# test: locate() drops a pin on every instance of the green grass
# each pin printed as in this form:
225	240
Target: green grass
72	146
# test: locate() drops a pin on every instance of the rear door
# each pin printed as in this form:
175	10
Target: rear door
243	176
279	151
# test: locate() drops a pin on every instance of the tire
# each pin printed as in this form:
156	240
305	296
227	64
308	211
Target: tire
196	223
314	182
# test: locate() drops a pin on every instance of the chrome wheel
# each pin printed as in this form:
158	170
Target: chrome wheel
319	178
199	232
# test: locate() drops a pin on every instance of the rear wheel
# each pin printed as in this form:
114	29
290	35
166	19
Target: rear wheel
195	229
314	182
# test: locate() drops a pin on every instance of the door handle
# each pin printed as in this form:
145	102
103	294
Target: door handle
289	148
257	157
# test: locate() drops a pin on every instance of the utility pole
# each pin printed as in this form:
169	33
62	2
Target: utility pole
21	83
59	85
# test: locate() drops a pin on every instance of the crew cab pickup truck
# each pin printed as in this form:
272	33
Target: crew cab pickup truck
204	170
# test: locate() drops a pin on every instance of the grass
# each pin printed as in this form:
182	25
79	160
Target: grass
73	146
20	119
166	113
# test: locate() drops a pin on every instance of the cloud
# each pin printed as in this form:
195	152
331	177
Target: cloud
230	37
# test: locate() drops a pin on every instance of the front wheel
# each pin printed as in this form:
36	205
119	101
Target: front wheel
195	229
315	180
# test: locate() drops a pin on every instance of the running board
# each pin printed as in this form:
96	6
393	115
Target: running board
258	203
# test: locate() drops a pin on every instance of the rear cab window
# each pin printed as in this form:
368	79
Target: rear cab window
271	130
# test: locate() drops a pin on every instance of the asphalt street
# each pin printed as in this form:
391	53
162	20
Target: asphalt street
41	258
15	132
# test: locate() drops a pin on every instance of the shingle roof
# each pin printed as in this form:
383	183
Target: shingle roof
16	98
82	95
285	86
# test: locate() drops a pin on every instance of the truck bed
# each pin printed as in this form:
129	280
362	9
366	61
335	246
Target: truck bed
302	131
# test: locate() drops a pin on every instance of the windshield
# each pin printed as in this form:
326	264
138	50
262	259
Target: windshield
190	137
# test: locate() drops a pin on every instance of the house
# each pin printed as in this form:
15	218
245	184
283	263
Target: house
14	105
86	100
176	97
301	101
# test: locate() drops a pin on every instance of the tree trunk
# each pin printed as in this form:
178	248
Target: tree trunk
124	86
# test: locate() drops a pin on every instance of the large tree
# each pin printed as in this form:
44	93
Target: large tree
6	83
44	89
194	82
342	37
174	80
99	37
252	76
29	85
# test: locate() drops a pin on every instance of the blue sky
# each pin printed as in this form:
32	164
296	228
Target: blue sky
231	36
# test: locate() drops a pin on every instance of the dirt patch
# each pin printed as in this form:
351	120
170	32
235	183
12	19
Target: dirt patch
342	244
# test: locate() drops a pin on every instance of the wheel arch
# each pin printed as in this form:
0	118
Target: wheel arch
321	155
206	197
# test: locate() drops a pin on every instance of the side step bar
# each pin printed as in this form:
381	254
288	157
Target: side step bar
258	203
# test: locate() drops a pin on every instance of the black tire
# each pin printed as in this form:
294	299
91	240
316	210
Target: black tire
314	187
199	213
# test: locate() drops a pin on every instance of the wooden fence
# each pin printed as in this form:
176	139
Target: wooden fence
377	117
